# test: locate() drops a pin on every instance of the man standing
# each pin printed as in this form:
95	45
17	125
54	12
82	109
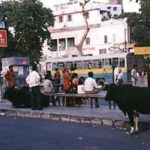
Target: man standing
10	77
116	73
91	87
33	80
57	79
134	76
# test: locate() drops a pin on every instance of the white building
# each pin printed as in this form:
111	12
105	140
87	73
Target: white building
105	34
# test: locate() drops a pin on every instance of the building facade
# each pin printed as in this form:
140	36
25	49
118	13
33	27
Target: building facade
106	34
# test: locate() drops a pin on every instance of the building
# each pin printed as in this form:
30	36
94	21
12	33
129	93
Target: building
106	34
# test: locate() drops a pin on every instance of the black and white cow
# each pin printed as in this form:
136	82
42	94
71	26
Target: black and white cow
21	97
131	100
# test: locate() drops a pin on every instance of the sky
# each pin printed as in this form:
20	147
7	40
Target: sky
128	6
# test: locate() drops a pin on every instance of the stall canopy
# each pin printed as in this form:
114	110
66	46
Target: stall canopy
142	50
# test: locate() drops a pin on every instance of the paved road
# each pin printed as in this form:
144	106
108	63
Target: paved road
32	134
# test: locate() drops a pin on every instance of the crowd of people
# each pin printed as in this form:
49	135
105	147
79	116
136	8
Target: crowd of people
137	76
72	83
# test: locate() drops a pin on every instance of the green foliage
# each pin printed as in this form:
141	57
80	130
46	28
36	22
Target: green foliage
30	21
140	24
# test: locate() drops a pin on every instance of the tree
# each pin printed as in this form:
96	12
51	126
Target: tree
140	24
30	22
85	15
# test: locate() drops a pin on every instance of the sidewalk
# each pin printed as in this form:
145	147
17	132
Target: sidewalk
83	114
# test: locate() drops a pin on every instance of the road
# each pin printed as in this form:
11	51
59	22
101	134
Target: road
33	134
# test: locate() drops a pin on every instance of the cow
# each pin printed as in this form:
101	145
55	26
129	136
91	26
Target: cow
21	97
131	100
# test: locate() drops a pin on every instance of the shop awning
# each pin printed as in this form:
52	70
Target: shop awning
142	50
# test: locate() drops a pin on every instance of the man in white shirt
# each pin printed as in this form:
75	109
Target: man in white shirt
134	76
90	86
116	73
48	88
33	80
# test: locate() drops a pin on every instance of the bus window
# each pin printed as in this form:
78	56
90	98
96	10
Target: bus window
69	65
122	62
99	64
54	65
107	63
87	64
48	66
60	65
95	63
102	63
79	65
115	61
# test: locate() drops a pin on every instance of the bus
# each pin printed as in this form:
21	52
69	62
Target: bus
102	65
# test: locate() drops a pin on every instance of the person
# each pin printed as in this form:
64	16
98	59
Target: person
80	90
33	80
48	88
47	85
134	75
80	87
120	77
142	76
73	89
10	77
74	83
49	75
116	72
67	77
66	83
57	76
10	80
90	86
90	66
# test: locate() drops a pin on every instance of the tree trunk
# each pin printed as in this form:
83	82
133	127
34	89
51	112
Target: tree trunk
85	15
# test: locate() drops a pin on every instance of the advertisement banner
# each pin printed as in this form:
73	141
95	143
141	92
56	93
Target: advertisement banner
3	38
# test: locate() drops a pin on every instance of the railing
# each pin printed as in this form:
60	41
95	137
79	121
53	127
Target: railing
91	97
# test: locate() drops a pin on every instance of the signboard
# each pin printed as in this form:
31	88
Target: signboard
142	50
3	38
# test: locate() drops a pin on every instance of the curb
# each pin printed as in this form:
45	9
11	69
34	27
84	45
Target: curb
70	118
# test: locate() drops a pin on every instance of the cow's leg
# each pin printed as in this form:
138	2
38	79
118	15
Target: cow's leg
131	120
136	119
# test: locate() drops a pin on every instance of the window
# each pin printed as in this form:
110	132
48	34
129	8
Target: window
54	66
105	39
87	64
97	64
60	18
54	45
69	18
79	64
122	62
115	61
102	51
48	66
87	41
107	63
62	44
60	65
70	42
114	8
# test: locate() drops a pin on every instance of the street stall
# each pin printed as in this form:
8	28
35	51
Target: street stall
145	52
20	66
